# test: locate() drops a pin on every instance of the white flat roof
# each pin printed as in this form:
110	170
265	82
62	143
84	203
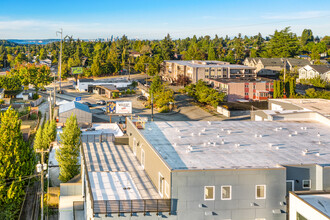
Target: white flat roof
321	106
105	128
198	144
113	186
319	201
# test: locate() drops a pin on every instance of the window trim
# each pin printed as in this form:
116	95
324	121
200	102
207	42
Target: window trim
159	180
291	181
256	189
167	186
134	146
143	159
310	184
230	194
205	193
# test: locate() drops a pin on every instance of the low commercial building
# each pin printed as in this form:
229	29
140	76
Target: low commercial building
83	85
313	71
294	110
309	205
238	89
81	111
196	70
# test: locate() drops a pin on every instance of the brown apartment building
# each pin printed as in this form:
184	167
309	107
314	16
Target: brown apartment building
236	89
200	70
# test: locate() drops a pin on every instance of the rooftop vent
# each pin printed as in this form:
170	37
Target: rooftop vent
317	154
200	133
218	135
237	145
295	132
180	137
204	129
214	143
223	141
277	148
290	135
229	131
222	129
304	153
270	145
209	122
303	128
192	134
318	134
319	142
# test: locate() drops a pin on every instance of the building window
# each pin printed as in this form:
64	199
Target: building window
246	86
161	184
246	93
206	70
224	76
300	217
142	158
225	192
260	191
306	184
254	86
209	193
134	146
167	189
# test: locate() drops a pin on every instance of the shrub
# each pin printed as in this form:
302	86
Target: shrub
33	116
164	109
35	96
2	101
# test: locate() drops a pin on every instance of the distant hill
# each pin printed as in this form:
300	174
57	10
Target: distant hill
34	41
7	43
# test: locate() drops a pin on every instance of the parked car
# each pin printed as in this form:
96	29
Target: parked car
88	104
100	102
142	98
104	109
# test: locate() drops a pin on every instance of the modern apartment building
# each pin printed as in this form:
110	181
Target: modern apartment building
231	170
237	89
200	170
200	70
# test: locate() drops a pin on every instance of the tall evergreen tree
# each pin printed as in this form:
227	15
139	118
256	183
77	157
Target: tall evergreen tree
67	155
17	161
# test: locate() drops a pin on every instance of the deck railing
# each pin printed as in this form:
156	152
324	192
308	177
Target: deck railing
132	206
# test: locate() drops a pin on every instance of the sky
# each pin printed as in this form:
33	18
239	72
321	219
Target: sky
153	19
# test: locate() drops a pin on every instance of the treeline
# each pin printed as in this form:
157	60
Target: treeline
108	58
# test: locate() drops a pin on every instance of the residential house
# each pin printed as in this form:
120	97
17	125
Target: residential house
313	71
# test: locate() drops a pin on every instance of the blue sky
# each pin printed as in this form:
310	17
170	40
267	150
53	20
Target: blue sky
153	19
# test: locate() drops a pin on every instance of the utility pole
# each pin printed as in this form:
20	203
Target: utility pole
40	169
284	93
129	69
50	104
60	32
152	107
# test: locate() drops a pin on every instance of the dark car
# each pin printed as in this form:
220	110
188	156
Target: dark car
88	104
142	98
100	102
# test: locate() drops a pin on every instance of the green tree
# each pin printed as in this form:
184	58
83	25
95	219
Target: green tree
67	154
306	36
40	140
283	44
211	53
275	95
17	162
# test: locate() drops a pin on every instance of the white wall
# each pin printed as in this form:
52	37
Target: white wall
297	205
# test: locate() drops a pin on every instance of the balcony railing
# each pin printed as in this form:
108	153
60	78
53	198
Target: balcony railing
132	206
